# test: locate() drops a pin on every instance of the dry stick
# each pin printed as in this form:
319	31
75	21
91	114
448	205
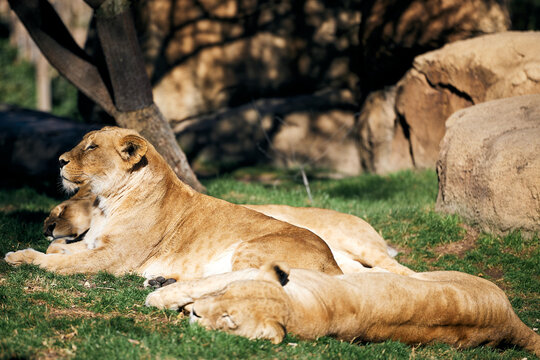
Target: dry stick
285	159
271	145
306	184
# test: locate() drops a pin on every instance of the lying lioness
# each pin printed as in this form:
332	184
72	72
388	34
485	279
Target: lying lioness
353	242
154	224
443	306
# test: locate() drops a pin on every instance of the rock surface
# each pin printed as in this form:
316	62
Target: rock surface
441	82
489	165
32	141
383	145
462	74
311	130
395	31
206	55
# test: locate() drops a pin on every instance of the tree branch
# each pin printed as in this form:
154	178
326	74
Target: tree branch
55	42
125	62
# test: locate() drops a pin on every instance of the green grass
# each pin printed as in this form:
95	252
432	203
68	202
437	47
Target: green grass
43	314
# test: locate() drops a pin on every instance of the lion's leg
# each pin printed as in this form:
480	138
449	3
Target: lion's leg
88	261
182	293
376	257
60	247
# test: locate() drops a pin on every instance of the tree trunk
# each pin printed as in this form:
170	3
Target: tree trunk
43	84
151	124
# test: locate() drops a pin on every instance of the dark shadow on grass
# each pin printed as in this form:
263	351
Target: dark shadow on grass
28	217
24	230
370	188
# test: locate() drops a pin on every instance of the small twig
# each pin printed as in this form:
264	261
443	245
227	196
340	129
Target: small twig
106	288
306	184
276	153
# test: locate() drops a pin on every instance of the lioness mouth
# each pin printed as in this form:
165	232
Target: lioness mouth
73	238
71	181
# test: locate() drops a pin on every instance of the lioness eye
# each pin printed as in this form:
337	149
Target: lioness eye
90	147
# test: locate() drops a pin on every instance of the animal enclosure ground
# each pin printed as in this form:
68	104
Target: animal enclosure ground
44	315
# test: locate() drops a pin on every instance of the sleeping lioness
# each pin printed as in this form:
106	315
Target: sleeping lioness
154	224
442	306
353	242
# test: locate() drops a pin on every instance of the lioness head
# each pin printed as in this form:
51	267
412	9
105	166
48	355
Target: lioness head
69	220
103	159
256	309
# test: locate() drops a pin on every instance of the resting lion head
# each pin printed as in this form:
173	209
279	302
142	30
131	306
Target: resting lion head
103	160
70	219
265	299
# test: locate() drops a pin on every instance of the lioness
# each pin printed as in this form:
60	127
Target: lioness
353	242
154	224
442	306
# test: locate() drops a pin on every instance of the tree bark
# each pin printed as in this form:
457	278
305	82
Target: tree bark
43	84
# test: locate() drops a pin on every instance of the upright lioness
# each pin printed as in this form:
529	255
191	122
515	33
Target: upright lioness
356	246
442	306
156	225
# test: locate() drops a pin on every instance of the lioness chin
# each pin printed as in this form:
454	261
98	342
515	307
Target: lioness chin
443	306
154	224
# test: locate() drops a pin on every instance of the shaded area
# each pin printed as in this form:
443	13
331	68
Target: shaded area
30	144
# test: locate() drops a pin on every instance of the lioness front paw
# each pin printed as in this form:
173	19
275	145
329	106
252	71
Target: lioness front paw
163	299
26	256
154	299
159	282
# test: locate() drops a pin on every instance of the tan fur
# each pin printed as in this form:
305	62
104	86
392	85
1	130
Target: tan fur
444	306
353	241
154	224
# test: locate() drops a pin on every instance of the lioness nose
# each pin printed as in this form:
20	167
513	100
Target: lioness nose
63	162
49	230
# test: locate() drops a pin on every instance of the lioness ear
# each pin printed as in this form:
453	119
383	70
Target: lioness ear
226	321
133	148
277	271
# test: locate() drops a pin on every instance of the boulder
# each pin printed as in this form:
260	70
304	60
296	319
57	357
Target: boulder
383	146
489	165
441	82
393	32
310	130
31	142
206	55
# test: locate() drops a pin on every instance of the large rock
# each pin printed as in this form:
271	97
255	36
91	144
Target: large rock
311	130
204	55
207	55
393	32
31	142
383	145
441	82
211	60
489	165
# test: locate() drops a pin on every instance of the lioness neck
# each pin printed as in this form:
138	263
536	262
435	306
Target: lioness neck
143	187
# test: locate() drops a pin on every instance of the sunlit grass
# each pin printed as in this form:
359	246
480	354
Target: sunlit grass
101	316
